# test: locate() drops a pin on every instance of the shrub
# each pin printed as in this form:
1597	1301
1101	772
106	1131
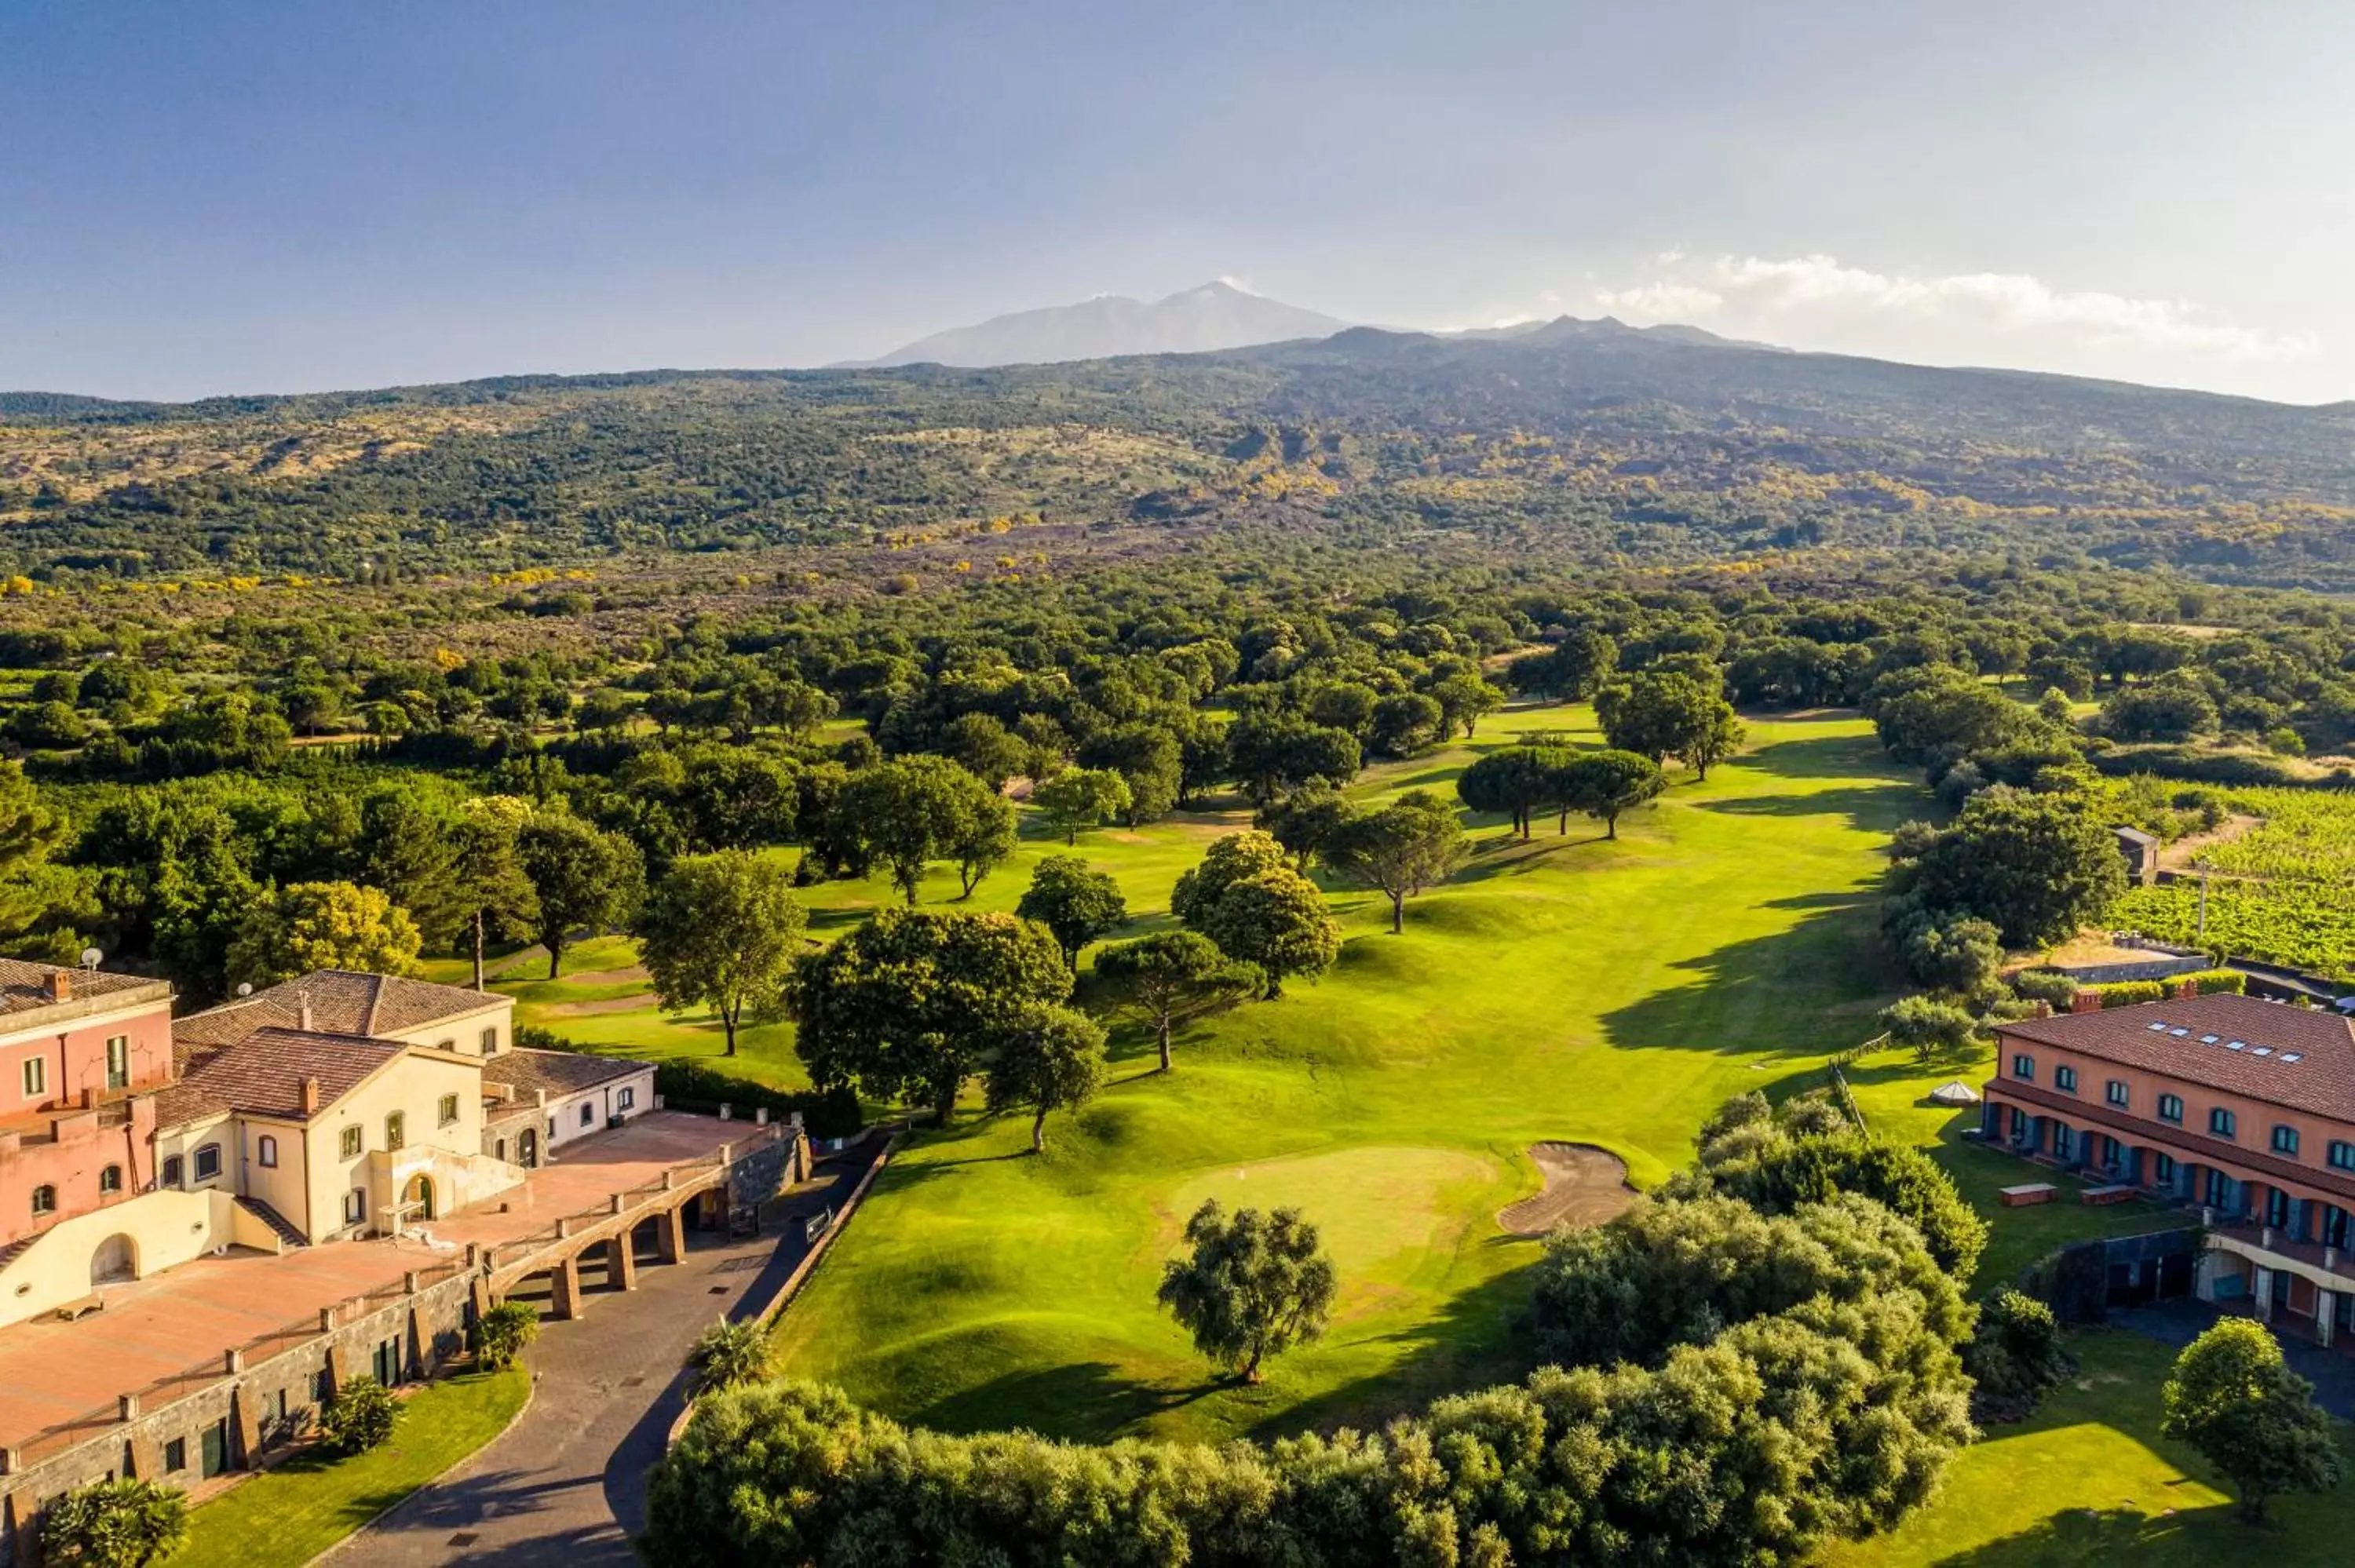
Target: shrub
2214	982
2231	1398
2015	1357
114	1524
2049	986
360	1417
2127	993
691	1085
1927	1027
501	1334
729	1355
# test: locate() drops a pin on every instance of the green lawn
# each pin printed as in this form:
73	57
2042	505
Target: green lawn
1608	992
2088	1479
289	1515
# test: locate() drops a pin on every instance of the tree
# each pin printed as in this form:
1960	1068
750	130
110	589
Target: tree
2175	706
2015	1355
1516	781
406	843
1571	670
1081	798
1304	821
2233	1398
1926	1026
48	727
308	925
1248	900
1229	860
1171	977
1401	848
1464	699
1045	1059
502	1334
1664	713
1405	724
1148	756
582	877
124	1523
730	1355
487	882
1272	754
1249	1288
360	1416
907	1004
723	931
985	748
913	810
1076	903
2036	865
1604	784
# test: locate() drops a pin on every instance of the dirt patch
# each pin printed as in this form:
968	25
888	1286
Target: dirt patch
590	1009
1583	1186
2179	855
635	975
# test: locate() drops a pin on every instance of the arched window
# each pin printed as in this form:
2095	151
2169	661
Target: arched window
45	1200
265	1150
395	1132
111	1179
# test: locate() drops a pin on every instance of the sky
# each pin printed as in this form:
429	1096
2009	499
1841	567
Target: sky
201	197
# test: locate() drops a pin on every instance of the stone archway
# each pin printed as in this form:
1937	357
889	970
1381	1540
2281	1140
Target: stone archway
115	1262
417	1197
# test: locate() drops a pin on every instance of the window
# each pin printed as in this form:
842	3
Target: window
449	1110
2277	1208
111	1179
2170	1109
175	1453
36	1077
2163	1170
626	1099
490	1040
449	1046
118	1062
45	1200
2284	1141
265	1151
552	1129
356	1205
2064	1143
2023	1067
2220	1122
323	1386
395	1132
2342	1156
207	1162
174	1168
2065	1079
588	1113
2115	1091
351	1142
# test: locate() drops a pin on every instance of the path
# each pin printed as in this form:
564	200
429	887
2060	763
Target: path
567	1483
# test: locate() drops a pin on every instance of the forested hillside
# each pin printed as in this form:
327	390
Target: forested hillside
1584	439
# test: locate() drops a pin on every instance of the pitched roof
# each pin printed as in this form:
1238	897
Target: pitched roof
557	1072
262	1075
341	1001
2294	1057
24	987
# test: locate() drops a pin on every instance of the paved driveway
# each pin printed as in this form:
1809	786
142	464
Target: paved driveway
566	1485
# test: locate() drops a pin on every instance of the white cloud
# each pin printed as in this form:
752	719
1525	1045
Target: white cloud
1816	297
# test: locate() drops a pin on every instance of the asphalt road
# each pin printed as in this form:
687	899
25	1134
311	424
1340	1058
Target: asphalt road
566	1484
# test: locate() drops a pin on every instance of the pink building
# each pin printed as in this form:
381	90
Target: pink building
81	1054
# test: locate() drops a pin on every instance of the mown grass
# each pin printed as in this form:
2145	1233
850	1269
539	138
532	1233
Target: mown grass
289	1515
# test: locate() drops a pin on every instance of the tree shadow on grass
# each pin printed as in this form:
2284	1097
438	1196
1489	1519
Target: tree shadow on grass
2087	1535
1089	1401
1481	1338
1866	807
1856	757
1798	994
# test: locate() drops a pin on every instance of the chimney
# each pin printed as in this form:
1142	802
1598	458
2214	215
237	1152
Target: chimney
310	1097
2085	1001
60	986
302	1015
2184	989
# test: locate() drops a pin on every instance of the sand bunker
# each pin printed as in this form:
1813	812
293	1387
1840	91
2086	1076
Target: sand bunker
1583	1186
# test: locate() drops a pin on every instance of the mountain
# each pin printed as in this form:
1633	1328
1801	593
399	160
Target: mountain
1199	321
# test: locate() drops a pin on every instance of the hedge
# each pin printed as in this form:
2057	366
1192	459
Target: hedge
697	1087
2125	993
2208	982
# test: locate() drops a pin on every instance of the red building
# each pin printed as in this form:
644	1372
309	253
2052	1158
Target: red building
2243	1108
82	1054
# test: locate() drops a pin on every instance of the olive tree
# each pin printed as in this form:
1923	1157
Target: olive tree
1249	1287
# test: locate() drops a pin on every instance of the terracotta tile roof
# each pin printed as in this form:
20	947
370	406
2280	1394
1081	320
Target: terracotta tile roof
342	1002
263	1074
2296	1056
559	1072
24	987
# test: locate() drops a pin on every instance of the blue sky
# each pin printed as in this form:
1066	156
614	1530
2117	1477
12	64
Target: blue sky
200	197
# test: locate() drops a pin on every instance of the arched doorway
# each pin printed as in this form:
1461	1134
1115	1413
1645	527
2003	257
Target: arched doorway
417	1197
115	1261
527	1149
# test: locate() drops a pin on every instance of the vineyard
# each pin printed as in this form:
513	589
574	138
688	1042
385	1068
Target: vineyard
2283	891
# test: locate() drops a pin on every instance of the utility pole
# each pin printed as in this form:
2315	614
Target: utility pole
2201	939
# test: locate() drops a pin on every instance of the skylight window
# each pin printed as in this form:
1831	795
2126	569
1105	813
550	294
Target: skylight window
2178	1033
2208	1040
2243	1045
2292	1056
2262	1051
2159	1029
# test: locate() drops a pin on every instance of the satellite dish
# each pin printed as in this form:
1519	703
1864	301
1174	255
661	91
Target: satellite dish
90	956
245	988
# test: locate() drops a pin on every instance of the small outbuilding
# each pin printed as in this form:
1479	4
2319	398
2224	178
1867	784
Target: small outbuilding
2140	851
1954	1092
